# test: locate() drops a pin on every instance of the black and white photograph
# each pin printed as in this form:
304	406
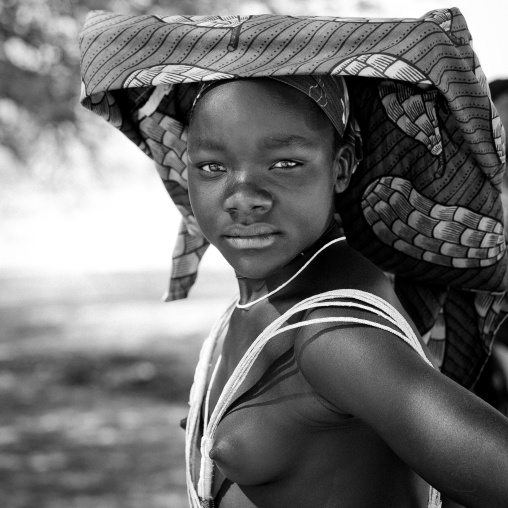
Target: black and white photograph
253	254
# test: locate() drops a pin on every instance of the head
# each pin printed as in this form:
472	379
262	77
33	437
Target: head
264	165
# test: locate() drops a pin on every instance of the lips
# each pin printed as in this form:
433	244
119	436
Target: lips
242	231
253	236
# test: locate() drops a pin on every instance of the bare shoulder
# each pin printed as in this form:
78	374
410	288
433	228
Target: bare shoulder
341	358
376	376
342	267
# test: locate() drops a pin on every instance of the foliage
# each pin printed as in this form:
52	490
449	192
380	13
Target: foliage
39	69
40	116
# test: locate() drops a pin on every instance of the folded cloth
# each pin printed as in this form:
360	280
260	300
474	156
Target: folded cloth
424	203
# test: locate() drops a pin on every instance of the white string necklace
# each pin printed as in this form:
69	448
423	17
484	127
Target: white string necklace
250	304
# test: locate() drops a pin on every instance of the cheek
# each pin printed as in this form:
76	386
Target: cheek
205	206
318	197
193	194
197	199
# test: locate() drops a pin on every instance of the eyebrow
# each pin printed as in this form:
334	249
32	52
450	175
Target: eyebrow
271	142
206	144
285	141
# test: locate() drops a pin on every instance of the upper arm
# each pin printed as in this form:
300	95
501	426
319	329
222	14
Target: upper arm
447	435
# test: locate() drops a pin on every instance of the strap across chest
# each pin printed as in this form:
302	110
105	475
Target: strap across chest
200	492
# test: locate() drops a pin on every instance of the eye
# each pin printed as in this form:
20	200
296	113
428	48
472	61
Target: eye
285	164
212	167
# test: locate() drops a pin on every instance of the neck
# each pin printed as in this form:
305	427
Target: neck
252	289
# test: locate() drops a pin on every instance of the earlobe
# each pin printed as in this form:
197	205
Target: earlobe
343	168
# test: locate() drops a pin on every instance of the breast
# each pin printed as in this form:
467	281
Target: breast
257	444
269	430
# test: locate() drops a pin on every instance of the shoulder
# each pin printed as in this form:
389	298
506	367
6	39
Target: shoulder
349	351
342	267
358	368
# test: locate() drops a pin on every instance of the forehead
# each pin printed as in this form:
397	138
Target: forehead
266	103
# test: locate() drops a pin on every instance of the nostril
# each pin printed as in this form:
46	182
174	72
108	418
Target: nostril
259	207
247	199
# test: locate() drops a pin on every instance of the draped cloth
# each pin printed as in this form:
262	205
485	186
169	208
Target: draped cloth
424	203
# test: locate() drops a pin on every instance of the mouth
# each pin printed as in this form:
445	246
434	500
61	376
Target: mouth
251	242
255	236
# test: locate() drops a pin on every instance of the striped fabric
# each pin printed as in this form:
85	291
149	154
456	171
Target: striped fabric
424	203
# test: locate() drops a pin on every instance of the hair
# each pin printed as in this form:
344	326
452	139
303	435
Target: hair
337	141
498	88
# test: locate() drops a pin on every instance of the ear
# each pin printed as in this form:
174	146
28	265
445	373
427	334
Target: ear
343	167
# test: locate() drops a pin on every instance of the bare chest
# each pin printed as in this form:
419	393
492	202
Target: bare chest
271	428
279	434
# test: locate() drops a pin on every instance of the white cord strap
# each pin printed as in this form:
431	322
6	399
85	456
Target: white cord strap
371	303
206	469
196	399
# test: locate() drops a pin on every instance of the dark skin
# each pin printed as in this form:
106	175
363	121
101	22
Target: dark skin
347	416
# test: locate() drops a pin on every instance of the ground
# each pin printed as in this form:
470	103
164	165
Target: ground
94	378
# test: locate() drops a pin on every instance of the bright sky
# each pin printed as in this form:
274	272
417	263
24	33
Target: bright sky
133	227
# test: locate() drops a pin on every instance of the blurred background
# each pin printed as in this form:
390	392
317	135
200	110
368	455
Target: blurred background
94	368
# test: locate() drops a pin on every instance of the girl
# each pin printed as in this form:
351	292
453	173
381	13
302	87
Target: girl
324	394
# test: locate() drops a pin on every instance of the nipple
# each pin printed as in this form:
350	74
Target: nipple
222	451
214	453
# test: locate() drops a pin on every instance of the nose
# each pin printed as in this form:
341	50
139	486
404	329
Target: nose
247	200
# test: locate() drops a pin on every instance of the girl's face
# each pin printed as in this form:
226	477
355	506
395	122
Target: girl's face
261	173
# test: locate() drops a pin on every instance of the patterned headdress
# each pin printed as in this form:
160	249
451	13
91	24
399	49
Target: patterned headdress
424	204
328	92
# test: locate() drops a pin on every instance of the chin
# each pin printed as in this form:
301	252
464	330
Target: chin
255	267
250	271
